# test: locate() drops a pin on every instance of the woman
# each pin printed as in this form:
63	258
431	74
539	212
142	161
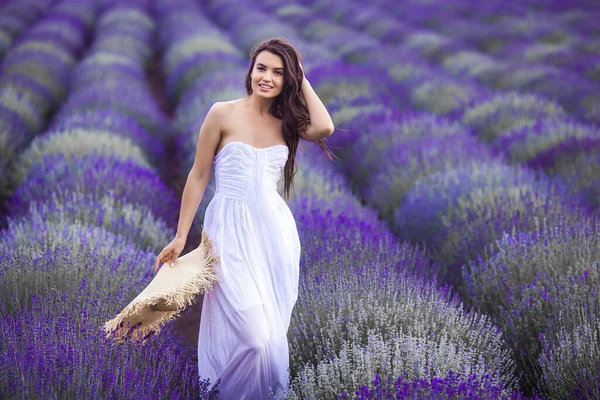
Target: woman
245	318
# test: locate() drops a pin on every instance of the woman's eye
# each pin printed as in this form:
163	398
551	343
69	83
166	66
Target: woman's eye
262	69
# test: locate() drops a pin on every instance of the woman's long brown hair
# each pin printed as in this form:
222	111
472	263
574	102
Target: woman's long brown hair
289	105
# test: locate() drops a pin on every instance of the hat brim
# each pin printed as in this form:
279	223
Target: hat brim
171	290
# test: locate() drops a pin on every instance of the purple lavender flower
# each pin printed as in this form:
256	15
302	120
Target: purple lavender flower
503	112
56	345
98	175
116	122
544	282
137	104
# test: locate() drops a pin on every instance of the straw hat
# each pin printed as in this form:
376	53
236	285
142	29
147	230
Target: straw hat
171	290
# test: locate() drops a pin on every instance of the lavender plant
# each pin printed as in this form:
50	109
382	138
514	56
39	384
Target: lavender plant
26	59
347	207
570	355
547	53
414	145
432	45
77	142
106	66
17	100
404	69
340	79
117	123
198	67
479	203
546	142
389	128
408	163
420	215
61	255
199	43
581	175
54	347
508	111
135	103
73	10
10	124
38	94
178	19
345	233
486	214
521	78
544	283
373	21
362	50
247	26
438	388
197	100
446	97
127	24
354	321
34	76
135	221
354	118
318	175
16	18
576	94
62	27
46	57
593	70
476	65
95	175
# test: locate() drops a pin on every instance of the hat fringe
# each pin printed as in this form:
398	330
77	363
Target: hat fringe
200	283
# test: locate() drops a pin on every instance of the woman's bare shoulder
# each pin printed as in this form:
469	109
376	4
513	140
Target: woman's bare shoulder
227	108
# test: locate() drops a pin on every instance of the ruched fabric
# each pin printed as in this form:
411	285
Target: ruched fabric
246	316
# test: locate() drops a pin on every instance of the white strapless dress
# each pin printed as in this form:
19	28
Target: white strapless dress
245	317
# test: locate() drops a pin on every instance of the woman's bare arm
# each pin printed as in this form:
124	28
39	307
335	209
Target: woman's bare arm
199	176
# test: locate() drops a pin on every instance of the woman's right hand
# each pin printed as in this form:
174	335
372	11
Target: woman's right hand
170	253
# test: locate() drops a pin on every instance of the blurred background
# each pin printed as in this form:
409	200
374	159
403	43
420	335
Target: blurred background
451	250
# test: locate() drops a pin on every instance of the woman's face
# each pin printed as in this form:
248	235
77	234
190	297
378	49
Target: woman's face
268	71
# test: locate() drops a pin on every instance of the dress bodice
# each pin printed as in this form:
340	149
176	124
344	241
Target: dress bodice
243	171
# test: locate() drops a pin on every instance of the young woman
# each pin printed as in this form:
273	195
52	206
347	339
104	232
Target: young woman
245	318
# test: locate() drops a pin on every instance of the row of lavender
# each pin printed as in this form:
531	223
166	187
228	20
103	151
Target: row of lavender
34	74
565	38
459	211
343	267
526	128
87	218
16	16
529	129
570	87
536	52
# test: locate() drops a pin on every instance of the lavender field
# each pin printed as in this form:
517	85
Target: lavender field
451	252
